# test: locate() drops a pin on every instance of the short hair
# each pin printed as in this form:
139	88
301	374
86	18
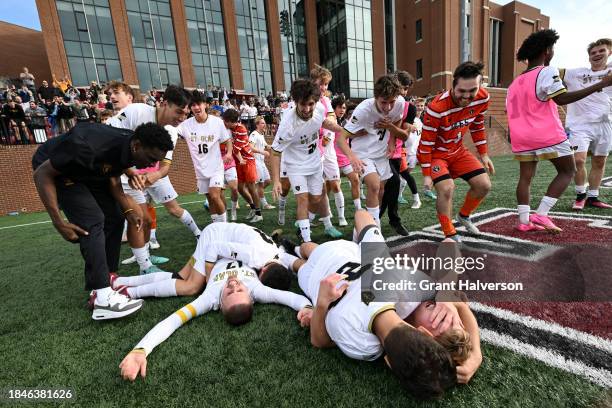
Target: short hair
105	114
258	118
303	89
602	41
239	314
231	115
536	44
319	72
422	365
177	96
120	86
404	78
338	101
197	98
387	86
152	135
467	70
458	343
277	277
420	100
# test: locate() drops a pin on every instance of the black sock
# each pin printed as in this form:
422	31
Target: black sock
258	211
252	206
581	196
411	182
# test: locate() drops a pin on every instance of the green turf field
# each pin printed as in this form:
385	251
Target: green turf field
48	339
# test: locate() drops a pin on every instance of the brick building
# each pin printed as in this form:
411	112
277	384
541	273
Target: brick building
23	47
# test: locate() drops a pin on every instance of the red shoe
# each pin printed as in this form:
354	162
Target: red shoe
579	204
594	202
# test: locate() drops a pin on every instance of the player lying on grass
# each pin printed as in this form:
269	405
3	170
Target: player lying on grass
234	289
240	242
365	332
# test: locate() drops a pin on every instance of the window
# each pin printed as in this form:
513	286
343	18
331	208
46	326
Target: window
419	30
293	39
419	69
80	20
494	51
390	35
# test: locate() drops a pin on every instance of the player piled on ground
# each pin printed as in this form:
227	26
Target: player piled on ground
590	123
203	134
536	132
297	139
443	156
258	142
370	128
156	183
246	169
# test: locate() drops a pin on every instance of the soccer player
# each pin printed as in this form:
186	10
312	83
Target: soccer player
536	132
259	147
246	168
443	156
121	95
203	133
231	181
79	171
344	164
297	139
378	117
589	121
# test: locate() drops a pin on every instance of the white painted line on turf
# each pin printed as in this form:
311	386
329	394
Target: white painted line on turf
600	377
25	225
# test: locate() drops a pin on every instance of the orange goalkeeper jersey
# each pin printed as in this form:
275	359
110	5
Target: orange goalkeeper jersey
445	125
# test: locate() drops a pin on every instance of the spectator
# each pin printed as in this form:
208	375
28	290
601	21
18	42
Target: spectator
151	100
35	118
65	115
25	94
223	95
103	103
215	93
27	79
105	114
80	111
244	112
62	85
227	104
209	93
95	90
10	93
215	106
72	93
14	118
46	93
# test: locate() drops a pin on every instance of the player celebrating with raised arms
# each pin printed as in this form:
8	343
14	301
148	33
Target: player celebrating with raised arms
203	133
536	132
443	156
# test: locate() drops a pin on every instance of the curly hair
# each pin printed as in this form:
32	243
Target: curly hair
230	115
177	96
387	86
338	101
319	72
277	277
303	89
536	44
152	135
197	98
404	78
467	70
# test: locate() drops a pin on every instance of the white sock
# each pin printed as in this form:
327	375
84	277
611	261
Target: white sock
234	205
304	229
523	212
142	279
311	216
187	219
298	252
357	204
403	184
164	288
545	205
327	221
374	212
287	260
581	189
263	201
593	193
416	197
282	202
214	217
339	199
142	257
103	294
355	236
153	236
222	217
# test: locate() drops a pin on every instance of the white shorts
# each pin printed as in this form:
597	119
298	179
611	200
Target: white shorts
411	161
230	175
207	182
380	166
137	195
552	152
283	169
161	191
346	170
263	173
312	184
330	170
593	137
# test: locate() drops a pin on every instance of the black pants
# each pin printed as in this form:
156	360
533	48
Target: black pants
92	207
391	193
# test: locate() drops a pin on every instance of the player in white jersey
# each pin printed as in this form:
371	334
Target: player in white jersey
379	117
297	139
233	289
240	242
589	121
203	134
258	142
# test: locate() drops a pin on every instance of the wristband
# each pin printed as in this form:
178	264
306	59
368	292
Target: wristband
128	210
139	351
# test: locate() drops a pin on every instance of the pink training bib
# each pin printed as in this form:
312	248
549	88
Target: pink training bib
533	123
397	154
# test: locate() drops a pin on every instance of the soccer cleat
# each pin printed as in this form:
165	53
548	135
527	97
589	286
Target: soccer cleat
402	200
268	207
544	221
158	260
579	204
112	277
151	269
594	202
256	218
468	224
129	261
416	204
206	206
342	222
115	306
233	215
333	232
400	229
250	215
430	194
154	244
455	237
529	227
281	217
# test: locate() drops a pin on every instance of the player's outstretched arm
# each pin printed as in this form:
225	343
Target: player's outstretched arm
469	367
570	97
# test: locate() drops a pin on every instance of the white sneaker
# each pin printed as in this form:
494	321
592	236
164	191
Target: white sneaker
154	244
115	306
129	261
416	204
342	222
468	224
233	215
269	207
250	215
256	218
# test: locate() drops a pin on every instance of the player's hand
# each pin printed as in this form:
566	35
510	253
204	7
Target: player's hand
488	164
266	153
277	189
304	316
329	290
138	181
134	217
384	123
70	232
357	164
466	371
241	161
427	183
151	178
133	364
443	317
607	80
227	159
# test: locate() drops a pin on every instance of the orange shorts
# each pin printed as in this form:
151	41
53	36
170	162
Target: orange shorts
462	164
247	173
403	162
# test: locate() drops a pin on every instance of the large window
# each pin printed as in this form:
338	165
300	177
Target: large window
153	42
293	39
494	50
89	40
419	30
207	38
253	40
390	35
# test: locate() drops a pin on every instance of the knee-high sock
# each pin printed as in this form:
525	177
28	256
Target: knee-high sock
447	225
339	199
153	214
164	288
469	205
142	257
142	279
304	229
187	219
375	213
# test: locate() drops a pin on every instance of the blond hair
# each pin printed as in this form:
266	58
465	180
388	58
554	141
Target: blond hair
458	343
320	73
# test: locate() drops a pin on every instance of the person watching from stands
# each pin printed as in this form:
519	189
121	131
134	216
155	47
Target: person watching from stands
46	92
14	118
27	79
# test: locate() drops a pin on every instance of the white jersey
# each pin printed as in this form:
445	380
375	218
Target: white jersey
211	297
298	141
349	322
203	142
549	84
597	107
259	141
412	143
374	144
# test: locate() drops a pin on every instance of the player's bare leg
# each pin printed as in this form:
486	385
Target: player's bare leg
355	192
233	185
374	193
217	204
591	196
